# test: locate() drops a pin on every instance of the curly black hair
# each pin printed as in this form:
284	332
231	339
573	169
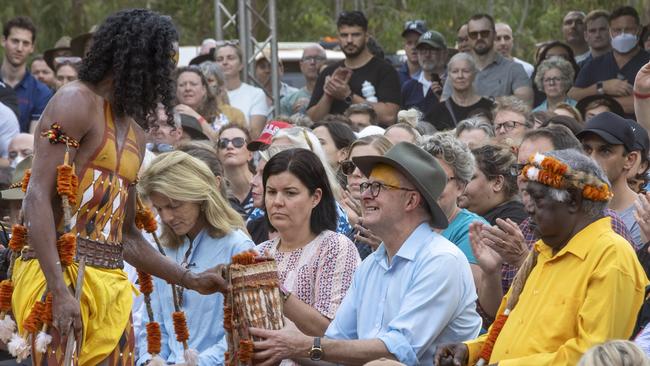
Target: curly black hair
136	48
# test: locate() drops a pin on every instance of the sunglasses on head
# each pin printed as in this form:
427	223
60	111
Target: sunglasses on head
347	167
237	142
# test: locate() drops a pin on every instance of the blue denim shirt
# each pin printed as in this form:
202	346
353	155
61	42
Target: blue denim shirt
32	96
424	297
204	313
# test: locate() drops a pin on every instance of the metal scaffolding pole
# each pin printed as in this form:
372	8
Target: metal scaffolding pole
251	22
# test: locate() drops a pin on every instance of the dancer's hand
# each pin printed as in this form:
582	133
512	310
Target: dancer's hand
66	314
207	282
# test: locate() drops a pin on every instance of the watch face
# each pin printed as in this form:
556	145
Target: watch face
315	354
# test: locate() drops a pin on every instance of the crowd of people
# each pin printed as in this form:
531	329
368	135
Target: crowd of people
465	207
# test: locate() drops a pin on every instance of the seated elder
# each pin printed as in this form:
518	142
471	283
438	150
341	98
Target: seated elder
463	99
315	264
199	231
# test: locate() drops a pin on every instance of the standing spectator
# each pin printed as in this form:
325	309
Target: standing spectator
410	295
313	58
462	39
511	120
263	72
597	34
609	140
463	99
504	43
554	77
361	116
410	69
423	92
248	99
497	75
9	128
42	72
613	73
573	28
18	37
341	84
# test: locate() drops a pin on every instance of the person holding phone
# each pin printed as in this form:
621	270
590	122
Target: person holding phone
340	85
424	92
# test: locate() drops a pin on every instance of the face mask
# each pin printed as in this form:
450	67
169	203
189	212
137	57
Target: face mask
17	160
624	42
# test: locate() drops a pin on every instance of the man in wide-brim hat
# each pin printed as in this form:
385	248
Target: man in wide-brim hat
413	293
61	49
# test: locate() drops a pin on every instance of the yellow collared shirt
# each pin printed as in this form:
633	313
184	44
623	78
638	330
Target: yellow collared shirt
588	293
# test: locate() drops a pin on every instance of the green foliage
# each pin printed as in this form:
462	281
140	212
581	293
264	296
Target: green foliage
533	21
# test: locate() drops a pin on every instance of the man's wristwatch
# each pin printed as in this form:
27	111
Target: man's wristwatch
348	99
599	88
316	352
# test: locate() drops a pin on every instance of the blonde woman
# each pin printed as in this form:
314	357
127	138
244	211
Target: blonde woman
200	230
615	353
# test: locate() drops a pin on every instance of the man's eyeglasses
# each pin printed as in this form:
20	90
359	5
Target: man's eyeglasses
507	126
314	59
237	142
483	34
375	188
347	167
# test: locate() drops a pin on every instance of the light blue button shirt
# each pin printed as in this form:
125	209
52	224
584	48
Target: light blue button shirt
424	297
204	313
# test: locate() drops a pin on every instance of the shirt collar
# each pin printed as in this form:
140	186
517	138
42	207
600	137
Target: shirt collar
411	246
580	244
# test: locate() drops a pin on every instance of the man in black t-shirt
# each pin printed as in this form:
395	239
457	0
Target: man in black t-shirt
342	84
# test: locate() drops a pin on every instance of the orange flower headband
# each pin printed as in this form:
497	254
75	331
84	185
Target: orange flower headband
554	173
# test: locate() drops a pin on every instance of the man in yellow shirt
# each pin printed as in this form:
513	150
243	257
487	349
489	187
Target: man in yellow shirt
581	286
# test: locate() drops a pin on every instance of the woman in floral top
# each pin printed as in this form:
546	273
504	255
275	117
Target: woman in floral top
315	264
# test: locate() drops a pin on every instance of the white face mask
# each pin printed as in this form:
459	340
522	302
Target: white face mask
624	42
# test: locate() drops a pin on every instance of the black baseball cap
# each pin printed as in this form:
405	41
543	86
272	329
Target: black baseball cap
417	26
612	128
641	139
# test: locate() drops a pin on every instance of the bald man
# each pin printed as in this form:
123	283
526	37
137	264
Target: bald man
20	147
504	42
313	58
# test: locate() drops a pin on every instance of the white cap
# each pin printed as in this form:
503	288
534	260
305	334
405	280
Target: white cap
370	131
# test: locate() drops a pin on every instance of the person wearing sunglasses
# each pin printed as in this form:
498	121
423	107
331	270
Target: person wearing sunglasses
497	76
199	230
375	145
237	164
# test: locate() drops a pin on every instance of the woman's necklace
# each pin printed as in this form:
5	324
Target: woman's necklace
185	264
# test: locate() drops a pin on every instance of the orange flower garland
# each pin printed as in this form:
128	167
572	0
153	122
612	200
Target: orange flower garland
153	338
67	246
47	316
6	290
244	258
32	323
495	329
18	238
180	326
145	219
25	181
245	350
